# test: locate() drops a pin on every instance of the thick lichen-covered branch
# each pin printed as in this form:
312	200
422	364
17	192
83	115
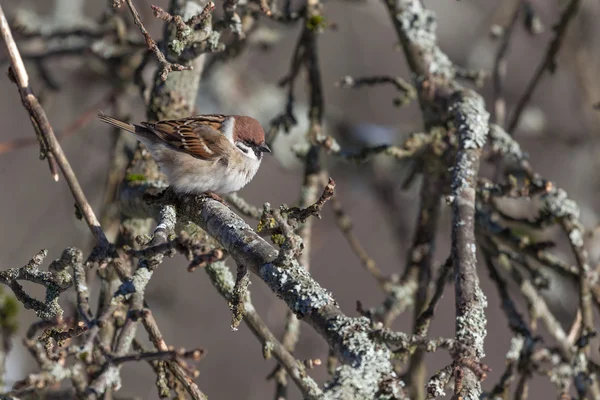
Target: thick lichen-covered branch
366	363
444	102
471	121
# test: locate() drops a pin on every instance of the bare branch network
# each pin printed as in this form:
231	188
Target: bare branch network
367	358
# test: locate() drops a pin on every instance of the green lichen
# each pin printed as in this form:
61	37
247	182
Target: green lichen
135	178
9	310
267	350
268	223
316	23
278	239
525	235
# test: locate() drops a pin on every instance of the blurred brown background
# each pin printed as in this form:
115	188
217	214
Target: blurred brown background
560	130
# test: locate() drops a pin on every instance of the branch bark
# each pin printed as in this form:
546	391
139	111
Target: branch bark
446	103
367	363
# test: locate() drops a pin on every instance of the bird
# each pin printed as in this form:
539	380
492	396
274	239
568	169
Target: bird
210	154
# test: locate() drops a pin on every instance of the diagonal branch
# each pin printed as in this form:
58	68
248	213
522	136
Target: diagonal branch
223	280
366	362
42	124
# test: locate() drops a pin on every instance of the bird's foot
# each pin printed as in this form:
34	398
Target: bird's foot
216	197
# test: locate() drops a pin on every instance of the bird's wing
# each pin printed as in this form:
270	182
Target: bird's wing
198	136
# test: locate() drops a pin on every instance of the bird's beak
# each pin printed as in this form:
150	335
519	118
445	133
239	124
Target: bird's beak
263	148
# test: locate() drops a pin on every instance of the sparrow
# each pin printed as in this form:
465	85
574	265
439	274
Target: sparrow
203	154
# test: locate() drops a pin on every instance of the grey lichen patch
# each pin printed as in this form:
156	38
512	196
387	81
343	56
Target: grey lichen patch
576	237
470	325
138	282
141	278
177	46
113	378
442	66
314	391
81	286
391	388
221	277
58	372
516	345
464	175
504	145
436	385
296	287
63	279
580	364
560	374
471	119
419	25
237	224
52	309
367	362
474	393
213	43
168	217
70	256
37	260
558	204
473	249
199	38
401	295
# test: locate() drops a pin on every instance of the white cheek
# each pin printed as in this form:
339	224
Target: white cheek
246	151
252	155
227	128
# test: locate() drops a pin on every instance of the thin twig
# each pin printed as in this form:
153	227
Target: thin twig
548	62
419	270
69	131
172	355
223	281
344	223
408	91
243	206
424	319
500	66
166	66
41	123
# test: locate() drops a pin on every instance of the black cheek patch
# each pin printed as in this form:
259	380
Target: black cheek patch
242	149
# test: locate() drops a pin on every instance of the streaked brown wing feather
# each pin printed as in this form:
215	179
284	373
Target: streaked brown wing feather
198	136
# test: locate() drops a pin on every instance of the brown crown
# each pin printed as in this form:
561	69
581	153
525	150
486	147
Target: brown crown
248	129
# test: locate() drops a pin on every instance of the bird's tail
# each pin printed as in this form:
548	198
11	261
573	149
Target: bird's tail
115	122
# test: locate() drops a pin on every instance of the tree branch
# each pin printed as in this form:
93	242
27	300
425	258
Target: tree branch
42	125
367	363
